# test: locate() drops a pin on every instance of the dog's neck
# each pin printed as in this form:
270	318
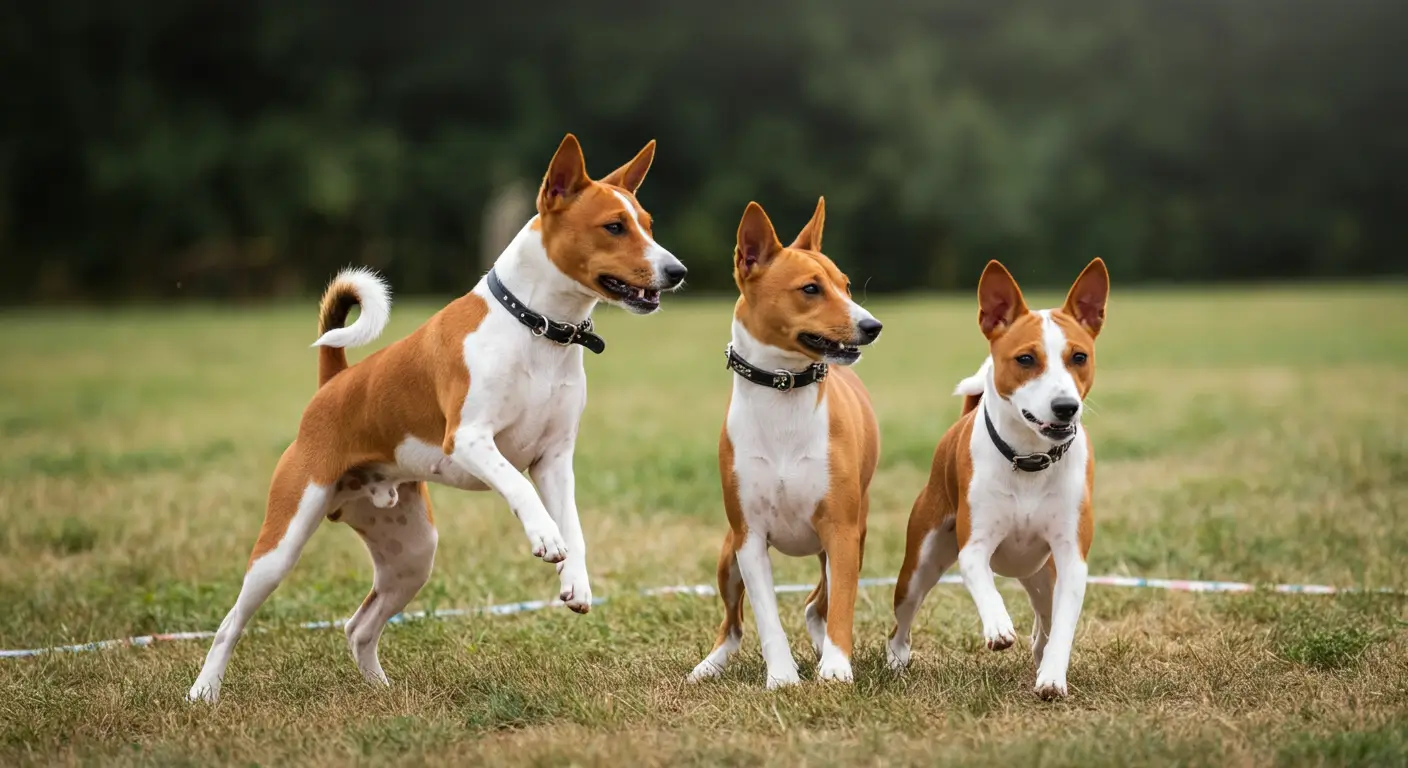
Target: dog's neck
765	356
526	270
1011	426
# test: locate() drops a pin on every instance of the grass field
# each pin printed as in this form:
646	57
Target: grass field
1251	435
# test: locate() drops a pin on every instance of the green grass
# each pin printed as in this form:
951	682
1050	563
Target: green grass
1252	435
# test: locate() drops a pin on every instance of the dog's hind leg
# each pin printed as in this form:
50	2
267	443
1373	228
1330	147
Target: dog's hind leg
297	503
928	553
1040	586
815	612
401	541
731	630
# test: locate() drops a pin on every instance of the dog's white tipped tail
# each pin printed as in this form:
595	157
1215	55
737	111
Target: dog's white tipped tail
352	287
360	286
973	385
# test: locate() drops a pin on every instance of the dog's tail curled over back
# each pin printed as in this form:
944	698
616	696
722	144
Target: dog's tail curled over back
353	286
971	388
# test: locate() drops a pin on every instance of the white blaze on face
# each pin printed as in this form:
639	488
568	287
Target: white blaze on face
1055	381
658	257
859	314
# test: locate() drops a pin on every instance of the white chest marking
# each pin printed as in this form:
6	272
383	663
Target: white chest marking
781	462
1024	514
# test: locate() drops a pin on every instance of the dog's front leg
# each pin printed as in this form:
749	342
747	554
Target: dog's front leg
1068	597
557	484
756	567
476	453
975	565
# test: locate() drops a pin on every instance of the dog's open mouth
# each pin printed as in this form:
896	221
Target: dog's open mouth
1053	430
636	299
830	351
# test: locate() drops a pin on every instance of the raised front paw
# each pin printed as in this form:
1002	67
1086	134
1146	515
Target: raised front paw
576	592
547	542
1000	634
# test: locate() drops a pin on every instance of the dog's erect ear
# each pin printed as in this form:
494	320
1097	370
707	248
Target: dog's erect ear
757	242
1086	301
630	175
566	176
1000	301
809	239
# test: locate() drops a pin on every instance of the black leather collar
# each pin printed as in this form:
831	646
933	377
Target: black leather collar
1031	462
781	379
562	333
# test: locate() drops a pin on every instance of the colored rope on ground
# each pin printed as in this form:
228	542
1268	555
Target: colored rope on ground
700	590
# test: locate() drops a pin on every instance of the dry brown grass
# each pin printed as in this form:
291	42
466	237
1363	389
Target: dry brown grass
1247	435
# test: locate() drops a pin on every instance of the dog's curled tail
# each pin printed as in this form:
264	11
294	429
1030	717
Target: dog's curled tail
353	286
971	388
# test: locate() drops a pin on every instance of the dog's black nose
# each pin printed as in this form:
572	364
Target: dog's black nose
1065	408
675	273
869	329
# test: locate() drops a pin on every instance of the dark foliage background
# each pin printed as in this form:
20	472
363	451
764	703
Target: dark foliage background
234	148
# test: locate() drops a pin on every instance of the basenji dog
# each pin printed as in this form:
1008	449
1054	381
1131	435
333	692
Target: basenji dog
798	448
490	386
1011	485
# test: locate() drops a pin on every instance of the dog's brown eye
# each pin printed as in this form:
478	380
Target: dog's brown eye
1026	361
1078	358
615	228
811	289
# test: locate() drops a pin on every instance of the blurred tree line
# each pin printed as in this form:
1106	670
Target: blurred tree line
232	148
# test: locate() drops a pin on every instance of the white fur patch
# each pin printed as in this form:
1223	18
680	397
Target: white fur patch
375	297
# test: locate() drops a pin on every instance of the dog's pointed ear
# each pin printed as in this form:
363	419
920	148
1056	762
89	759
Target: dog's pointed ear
757	242
1086	301
566	176
1000	301
809	239
630	175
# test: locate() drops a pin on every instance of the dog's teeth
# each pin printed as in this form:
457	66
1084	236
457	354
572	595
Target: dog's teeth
640	293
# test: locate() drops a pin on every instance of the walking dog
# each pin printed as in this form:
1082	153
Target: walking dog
490	386
798	448
1011	483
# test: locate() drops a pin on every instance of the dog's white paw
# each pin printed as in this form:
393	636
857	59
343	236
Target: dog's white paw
1000	635
576	593
897	655
204	692
1050	687
705	670
782	678
835	666
547	542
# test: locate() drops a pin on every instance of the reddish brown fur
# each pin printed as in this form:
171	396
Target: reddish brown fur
573	210
774	276
1011	330
774	310
420	382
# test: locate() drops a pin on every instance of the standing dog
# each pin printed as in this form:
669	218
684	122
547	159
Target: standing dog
488	387
1011	483
798	448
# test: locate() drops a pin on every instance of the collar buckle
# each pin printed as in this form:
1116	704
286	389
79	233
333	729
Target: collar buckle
783	379
1032	462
